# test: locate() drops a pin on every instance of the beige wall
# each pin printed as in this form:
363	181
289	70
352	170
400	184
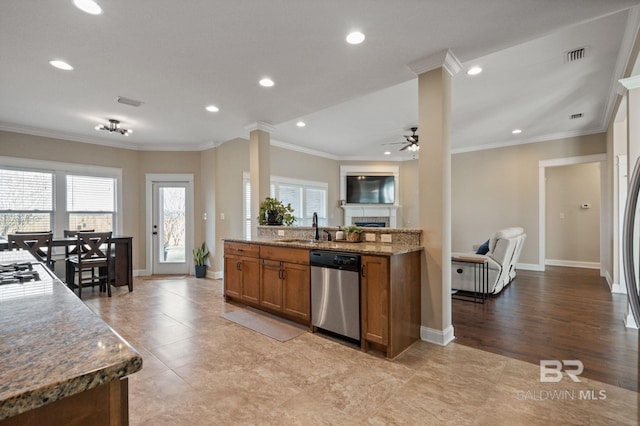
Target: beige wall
134	165
408	215
573	233
497	188
231	160
297	165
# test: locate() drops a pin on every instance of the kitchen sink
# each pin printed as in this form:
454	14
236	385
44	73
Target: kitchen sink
297	240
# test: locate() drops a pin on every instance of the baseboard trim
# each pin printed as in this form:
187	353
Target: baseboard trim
216	275
629	322
140	273
530	267
439	337
572	264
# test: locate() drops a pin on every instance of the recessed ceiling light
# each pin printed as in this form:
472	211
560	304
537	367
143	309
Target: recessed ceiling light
387	153
61	65
88	6
474	70
355	37
301	124
212	108
266	82
516	131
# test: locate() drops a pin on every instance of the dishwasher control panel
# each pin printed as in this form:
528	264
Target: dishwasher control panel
335	260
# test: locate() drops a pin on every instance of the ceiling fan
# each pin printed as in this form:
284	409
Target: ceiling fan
411	143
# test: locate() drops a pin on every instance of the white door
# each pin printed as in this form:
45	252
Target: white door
170	222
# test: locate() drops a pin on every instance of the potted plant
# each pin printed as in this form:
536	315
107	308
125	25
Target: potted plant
200	256
352	233
274	212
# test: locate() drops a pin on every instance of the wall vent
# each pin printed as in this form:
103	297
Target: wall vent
578	115
575	55
127	101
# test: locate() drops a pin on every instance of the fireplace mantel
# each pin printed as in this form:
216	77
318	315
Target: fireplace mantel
371	210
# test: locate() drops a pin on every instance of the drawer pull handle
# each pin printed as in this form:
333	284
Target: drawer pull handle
239	266
362	271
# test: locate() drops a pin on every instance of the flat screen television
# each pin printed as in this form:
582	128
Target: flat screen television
371	189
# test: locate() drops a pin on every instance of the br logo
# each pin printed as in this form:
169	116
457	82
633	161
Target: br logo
551	370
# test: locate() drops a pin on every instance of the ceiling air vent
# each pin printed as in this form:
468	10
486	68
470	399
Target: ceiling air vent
578	115
575	55
127	101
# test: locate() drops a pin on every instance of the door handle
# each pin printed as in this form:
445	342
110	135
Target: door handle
362	271
239	266
155	233
281	274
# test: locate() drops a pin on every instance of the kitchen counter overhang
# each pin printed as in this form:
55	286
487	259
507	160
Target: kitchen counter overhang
53	346
363	247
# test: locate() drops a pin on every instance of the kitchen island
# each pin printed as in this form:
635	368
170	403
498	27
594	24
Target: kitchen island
274	274
61	364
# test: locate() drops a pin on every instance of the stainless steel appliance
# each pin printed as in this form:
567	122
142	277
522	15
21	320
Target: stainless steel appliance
335	292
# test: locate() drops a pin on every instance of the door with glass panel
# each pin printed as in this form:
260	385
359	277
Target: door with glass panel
169	228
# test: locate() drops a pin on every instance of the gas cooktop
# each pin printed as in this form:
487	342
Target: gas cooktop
20	277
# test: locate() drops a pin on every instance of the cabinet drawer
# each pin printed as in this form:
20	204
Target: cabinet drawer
242	249
285	254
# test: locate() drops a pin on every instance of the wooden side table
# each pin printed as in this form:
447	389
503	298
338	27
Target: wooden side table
480	279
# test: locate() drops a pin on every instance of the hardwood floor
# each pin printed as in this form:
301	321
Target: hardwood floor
560	314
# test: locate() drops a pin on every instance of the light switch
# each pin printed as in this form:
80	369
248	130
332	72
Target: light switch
561	215
221	216
385	238
370	237
280	232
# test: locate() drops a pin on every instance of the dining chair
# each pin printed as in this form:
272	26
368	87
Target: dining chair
72	250
36	243
93	251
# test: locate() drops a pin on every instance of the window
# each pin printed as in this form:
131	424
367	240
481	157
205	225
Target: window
26	201
91	202
305	197
40	195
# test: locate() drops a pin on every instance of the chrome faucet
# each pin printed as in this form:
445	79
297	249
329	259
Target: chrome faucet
315	226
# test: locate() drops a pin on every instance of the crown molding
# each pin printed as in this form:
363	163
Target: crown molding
128	144
445	59
260	125
630	83
309	151
545	138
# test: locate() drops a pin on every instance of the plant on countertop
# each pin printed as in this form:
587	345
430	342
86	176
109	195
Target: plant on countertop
274	212
352	229
352	233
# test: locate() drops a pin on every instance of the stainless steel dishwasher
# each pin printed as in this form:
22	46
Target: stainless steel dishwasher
335	292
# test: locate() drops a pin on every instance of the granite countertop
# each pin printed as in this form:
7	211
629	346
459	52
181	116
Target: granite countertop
363	247
52	346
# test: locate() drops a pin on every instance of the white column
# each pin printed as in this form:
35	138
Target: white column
260	168
434	176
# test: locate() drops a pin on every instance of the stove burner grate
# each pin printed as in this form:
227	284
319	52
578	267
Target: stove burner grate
16	273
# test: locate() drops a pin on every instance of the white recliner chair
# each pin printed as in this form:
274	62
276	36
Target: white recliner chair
505	247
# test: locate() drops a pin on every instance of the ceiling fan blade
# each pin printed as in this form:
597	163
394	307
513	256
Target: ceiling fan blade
405	147
394	143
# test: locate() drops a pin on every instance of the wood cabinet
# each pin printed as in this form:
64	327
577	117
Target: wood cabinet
285	282
390	302
277	279
242	272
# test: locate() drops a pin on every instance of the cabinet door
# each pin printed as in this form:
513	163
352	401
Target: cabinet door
271	285
250	280
375	292
232	276
297	290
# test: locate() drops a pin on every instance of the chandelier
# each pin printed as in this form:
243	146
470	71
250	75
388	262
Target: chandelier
114	126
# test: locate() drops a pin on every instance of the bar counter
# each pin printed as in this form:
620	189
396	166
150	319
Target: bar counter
53	349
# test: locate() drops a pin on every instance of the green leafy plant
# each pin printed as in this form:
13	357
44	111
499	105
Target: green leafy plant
274	212
200	255
352	229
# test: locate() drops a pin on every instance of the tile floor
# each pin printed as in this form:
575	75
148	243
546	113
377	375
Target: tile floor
200	369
